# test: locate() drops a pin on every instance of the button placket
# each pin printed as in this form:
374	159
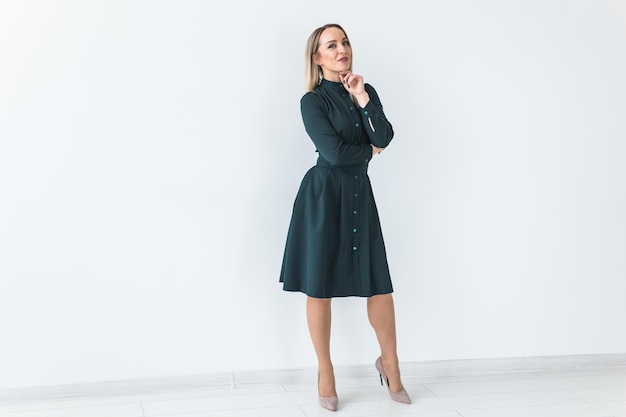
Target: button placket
353	115
356	244
355	212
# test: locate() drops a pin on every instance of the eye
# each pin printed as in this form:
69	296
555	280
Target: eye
346	43
332	45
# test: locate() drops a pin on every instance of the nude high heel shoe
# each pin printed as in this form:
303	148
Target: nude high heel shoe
329	403
401	396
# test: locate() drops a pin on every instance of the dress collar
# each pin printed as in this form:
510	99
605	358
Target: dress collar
332	85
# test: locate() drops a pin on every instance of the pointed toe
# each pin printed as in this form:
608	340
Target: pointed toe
401	396
329	403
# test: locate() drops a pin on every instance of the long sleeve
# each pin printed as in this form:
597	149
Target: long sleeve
330	145
378	128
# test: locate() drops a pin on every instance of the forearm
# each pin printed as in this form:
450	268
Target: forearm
378	128
362	99
340	153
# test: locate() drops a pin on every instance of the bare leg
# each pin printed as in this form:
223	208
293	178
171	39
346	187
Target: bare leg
380	311
318	315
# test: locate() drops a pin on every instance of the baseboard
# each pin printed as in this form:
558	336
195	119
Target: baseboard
561	363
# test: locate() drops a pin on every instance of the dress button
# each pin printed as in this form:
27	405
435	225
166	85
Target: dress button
356	125
354	212
353	230
356	195
352	108
365	112
353	247
356	177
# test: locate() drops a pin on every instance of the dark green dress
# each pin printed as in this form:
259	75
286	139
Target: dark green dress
335	244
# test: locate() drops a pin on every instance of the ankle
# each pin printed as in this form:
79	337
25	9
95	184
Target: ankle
390	364
325	368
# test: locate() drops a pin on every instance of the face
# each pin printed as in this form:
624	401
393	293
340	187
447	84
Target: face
334	53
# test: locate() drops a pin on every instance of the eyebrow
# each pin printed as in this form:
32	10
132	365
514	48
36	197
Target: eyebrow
335	40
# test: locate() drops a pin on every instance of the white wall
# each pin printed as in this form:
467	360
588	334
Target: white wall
150	152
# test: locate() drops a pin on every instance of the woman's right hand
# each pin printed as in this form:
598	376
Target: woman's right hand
376	150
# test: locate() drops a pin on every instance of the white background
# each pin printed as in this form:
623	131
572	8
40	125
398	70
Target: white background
150	152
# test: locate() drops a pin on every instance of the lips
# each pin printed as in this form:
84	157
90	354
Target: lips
344	59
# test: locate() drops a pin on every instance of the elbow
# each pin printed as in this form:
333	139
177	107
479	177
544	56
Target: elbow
333	156
382	142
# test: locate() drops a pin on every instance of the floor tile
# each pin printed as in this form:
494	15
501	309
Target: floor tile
374	409
603	394
520	385
582	372
110	410
213	404
35	404
253	412
496	400
571	410
424	379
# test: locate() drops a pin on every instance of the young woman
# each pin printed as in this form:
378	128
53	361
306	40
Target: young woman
334	244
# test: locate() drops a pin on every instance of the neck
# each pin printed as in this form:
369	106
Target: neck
332	76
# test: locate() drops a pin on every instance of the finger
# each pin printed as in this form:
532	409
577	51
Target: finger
350	80
346	78
354	80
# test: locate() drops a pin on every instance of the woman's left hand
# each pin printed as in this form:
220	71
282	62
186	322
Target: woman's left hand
352	82
356	86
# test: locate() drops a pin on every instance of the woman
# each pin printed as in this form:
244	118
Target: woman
335	245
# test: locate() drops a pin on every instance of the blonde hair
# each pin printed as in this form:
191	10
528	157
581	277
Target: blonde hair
312	72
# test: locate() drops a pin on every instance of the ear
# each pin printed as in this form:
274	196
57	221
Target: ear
316	59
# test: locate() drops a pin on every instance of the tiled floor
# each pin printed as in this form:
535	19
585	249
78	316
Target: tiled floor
436	392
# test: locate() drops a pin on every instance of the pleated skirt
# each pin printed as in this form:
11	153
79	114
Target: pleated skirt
335	244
